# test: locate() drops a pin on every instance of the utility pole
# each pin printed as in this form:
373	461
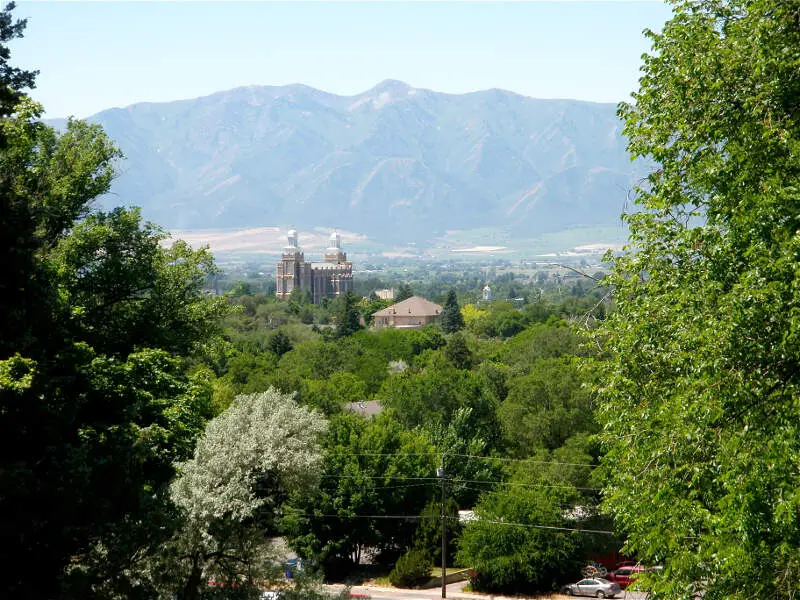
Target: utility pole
440	474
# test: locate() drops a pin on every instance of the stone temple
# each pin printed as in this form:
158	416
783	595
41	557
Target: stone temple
328	279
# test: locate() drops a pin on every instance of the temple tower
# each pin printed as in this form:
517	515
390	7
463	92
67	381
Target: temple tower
289	270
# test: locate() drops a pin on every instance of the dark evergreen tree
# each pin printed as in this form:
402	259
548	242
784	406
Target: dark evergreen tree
452	320
12	79
458	353
404	292
279	343
348	320
428	537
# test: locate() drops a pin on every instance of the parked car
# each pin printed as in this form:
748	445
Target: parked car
596	587
624	576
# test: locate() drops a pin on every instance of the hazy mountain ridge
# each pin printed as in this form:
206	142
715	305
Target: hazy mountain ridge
393	162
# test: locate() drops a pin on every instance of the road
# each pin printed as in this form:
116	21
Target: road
454	591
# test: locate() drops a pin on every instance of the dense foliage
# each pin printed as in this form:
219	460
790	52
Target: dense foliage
95	402
160	435
375	468
700	396
412	569
246	463
452	320
466	401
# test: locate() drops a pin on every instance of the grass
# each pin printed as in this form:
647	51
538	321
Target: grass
383	580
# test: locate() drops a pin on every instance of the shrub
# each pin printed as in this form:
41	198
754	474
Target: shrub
411	570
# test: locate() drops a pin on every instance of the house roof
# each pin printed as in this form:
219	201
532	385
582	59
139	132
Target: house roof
368	408
415	306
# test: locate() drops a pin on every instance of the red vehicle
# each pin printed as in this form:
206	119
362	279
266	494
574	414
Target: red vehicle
624	576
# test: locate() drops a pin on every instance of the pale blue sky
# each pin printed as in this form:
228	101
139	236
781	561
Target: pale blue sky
97	55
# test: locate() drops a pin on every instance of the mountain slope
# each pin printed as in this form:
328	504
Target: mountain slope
395	163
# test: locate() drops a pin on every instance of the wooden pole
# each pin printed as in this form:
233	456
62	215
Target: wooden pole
444	534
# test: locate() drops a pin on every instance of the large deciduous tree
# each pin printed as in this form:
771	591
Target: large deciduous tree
514	545
373	471
95	404
701	408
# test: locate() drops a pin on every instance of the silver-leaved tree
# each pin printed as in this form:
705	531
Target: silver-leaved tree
248	459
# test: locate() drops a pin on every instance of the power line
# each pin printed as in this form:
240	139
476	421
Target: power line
497	458
486	521
431	453
523	485
409	485
347	517
399	477
525	460
457	481
553	527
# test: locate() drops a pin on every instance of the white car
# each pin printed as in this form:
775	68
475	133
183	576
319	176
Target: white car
596	587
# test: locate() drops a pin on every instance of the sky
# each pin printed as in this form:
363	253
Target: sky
98	55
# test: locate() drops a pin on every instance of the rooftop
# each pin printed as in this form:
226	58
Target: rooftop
416	306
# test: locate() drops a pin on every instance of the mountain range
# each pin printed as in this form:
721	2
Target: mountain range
394	163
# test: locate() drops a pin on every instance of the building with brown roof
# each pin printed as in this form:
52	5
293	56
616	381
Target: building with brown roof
411	313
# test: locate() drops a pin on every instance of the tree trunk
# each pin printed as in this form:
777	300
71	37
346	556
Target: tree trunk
191	591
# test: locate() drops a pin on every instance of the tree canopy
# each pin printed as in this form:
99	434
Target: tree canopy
348	317
13	80
250	457
367	469
452	320
700	395
95	402
404	292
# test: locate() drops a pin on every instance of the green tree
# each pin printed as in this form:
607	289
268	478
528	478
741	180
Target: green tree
511	545
279	343
241	289
700	408
246	463
452	320
330	395
371	306
94	404
458	353
13	80
546	406
249	372
404	292
412	569
542	340
374	467
463	450
436	394
348	319
428	537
